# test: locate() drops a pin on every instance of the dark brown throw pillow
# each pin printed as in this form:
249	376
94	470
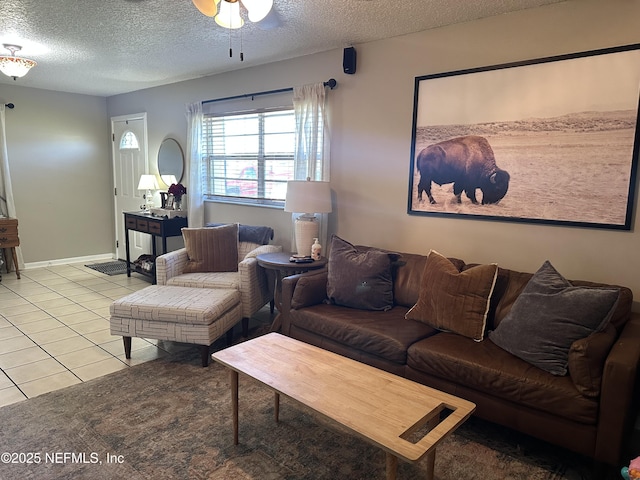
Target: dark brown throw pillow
359	278
454	301
212	249
549	316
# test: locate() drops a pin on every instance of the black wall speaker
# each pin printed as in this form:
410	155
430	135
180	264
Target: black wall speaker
349	60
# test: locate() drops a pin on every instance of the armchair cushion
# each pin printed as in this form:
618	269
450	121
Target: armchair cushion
212	249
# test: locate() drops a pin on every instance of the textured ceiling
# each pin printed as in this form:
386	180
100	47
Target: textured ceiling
107	47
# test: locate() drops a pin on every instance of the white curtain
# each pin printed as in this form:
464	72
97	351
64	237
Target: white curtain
7	205
195	202
312	143
312	133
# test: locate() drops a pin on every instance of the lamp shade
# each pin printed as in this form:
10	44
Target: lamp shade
229	15
308	197
148	182
169	179
207	7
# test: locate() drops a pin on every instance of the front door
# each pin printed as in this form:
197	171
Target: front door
129	140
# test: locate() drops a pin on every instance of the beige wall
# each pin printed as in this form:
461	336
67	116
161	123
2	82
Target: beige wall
371	137
371	141
60	164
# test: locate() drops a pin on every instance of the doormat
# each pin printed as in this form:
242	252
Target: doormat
117	267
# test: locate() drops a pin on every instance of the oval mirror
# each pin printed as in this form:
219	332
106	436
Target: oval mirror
170	161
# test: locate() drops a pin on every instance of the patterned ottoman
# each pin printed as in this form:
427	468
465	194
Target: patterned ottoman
180	314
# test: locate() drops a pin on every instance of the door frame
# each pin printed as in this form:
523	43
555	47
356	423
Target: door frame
121	118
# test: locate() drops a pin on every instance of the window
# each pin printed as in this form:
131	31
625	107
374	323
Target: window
129	141
249	157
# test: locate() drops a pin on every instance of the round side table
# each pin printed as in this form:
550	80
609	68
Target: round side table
284	267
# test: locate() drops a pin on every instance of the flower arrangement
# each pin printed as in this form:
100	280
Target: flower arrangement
177	190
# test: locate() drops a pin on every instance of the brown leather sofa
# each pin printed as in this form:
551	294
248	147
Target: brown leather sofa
590	410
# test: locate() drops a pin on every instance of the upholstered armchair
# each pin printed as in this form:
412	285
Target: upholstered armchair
255	284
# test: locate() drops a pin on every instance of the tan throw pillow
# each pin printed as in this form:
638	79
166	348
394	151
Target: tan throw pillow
211	249
454	301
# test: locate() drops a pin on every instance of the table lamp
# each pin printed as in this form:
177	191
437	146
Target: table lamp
148	183
308	197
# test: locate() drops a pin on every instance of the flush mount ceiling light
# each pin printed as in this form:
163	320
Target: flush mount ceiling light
228	15
13	66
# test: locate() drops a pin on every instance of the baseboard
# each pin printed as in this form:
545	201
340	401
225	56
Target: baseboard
65	261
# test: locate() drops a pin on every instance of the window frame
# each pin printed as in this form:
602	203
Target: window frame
209	159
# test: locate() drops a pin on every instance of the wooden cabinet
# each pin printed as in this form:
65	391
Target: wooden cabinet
9	240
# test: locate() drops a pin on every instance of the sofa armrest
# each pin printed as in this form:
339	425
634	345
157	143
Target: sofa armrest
170	265
256	284
302	290
263	249
617	414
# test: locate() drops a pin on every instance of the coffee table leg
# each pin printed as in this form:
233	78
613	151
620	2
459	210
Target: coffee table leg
392	466
234	403
431	461
276	407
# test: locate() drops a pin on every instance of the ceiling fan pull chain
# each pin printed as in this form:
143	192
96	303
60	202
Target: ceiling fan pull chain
241	53
230	49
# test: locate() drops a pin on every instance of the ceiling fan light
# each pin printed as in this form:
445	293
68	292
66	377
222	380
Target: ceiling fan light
13	66
229	15
257	9
207	7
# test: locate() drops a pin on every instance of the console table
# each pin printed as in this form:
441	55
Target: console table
162	227
9	240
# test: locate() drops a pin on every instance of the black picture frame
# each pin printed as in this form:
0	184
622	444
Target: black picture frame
565	128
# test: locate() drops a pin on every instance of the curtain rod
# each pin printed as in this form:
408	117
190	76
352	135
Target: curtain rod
331	83
9	105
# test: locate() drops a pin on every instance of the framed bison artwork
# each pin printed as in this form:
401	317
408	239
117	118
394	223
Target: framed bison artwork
552	140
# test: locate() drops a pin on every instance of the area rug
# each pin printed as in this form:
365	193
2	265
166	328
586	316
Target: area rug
117	267
171	419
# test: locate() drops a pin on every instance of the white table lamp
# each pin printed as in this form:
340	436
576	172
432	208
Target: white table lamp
307	197
148	183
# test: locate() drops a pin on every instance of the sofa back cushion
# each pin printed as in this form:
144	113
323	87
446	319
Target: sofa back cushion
211	249
587	358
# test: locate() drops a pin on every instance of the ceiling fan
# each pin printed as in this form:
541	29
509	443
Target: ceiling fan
226	13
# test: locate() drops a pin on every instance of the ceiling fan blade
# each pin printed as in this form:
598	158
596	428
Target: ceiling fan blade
271	21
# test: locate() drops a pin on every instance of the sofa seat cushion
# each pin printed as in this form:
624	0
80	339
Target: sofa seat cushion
386	334
487	368
228	280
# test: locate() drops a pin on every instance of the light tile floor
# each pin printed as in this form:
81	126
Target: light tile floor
54	330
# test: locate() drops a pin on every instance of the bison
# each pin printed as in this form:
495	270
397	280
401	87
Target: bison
468	163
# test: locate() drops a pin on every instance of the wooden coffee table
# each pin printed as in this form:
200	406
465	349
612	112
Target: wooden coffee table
382	408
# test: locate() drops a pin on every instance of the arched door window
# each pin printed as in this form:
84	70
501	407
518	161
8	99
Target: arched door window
129	141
